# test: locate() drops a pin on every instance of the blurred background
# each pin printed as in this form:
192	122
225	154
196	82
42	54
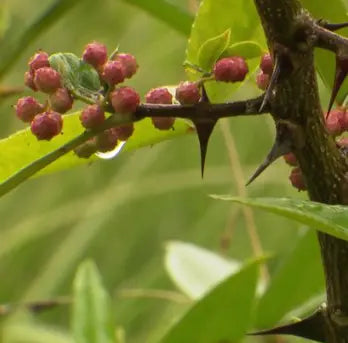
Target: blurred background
122	212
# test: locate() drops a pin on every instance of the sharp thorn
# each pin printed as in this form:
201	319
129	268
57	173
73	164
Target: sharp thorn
335	27
281	146
204	130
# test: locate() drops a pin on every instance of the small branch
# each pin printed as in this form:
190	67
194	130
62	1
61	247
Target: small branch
198	111
329	40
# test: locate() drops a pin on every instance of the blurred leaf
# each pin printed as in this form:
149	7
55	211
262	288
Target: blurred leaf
92	319
12	47
78	76
330	219
222	315
196	270
4	18
299	278
212	49
22	148
246	49
168	12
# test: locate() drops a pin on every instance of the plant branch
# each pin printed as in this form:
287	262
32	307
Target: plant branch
329	40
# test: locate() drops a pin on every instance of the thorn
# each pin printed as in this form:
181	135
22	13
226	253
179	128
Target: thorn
334	27
281	146
272	83
204	130
340	75
312	327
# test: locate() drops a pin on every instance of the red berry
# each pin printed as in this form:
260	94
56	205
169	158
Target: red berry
113	73
262	80
129	62
125	100
92	116
290	159
47	80
124	132
188	93
266	64
336	121
39	60
95	54
27	108
163	123
61	101
230	69
159	96
107	140
29	80
297	180
87	149
47	125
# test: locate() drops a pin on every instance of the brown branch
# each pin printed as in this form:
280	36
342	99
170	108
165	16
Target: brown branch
328	40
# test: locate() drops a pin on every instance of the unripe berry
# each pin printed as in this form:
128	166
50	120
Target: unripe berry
95	54
297	180
39	60
87	149
266	64
29	80
113	73
92	116
343	142
61	101
47	125
47	80
159	96
262	80
163	123
188	93
129	62
125	100
336	121
124	132
230	69
27	108
290	159
107	140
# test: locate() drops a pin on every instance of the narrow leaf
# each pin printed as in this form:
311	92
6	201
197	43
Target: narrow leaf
330	219
92	319
246	49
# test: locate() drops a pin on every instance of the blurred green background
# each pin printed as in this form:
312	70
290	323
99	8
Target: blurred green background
122	212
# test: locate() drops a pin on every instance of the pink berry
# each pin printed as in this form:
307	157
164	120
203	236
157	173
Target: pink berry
159	96
290	159
95	54
39	60
266	64
125	100
262	80
27	108
163	123
297	180
129	62
335	121
47	80
113	73
29	80
92	116
47	125
107	140
188	93
230	69
87	149
61	101
124	132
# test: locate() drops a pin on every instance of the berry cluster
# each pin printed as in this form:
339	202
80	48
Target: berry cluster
266	69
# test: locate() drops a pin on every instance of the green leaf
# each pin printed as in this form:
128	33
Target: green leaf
223	315
78	76
22	148
196	270
92	319
246	49
330	219
212	49
301	272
